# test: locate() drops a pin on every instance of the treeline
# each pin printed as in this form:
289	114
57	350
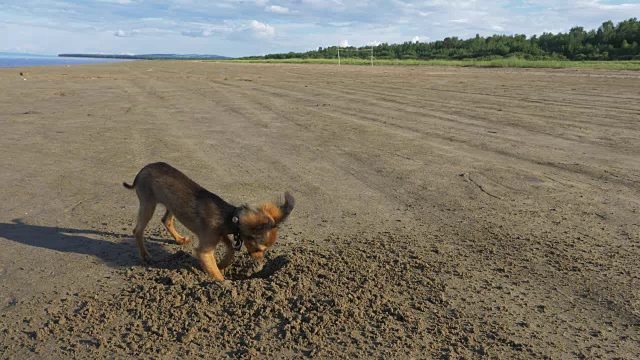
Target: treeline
609	42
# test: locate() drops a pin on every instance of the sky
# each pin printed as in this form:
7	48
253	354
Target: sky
258	27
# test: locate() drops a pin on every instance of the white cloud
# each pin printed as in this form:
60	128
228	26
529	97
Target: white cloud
497	28
325	4
415	39
343	43
277	9
373	43
262	30
198	33
147	31
119	2
252	31
459	21
340	24
598	4
122	33
245	31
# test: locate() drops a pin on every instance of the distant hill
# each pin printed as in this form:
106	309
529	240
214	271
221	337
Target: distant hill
150	56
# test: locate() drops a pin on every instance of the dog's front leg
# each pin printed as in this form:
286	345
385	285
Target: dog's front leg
228	255
204	252
209	264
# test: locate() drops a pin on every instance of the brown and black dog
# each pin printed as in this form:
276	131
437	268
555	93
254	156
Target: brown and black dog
206	215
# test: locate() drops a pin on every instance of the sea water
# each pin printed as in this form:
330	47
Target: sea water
23	61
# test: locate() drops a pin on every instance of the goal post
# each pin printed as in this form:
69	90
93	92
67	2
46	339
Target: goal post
348	52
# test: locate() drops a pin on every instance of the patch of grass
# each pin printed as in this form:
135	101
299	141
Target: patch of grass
510	62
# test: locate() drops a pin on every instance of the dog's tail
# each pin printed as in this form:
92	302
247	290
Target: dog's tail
131	186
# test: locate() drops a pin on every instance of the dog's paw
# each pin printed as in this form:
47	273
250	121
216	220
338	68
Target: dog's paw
146	259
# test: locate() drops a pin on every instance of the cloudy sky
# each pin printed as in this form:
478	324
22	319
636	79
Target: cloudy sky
256	27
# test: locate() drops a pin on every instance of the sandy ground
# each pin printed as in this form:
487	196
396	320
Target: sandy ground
441	212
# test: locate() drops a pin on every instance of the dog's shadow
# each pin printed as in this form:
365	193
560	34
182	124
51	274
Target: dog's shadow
119	252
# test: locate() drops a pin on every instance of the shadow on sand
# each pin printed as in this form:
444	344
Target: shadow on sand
121	252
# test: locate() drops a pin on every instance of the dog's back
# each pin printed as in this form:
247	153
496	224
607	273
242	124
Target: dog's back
156	179
161	183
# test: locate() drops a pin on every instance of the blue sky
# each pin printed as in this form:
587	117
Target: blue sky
256	27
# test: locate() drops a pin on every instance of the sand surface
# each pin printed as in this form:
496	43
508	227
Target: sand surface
441	212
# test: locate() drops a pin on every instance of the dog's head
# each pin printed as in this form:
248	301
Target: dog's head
259	227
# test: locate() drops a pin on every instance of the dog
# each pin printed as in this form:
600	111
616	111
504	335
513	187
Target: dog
209	217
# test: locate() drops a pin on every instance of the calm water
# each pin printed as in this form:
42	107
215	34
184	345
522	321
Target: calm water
16	61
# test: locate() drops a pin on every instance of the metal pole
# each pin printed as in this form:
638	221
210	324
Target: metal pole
338	55
372	56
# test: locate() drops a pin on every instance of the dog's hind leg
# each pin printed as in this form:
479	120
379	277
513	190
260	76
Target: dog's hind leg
228	255
167	220
145	213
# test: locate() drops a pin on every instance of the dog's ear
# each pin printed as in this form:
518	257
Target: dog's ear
287	206
281	211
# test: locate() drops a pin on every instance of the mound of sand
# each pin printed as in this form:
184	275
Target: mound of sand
352	300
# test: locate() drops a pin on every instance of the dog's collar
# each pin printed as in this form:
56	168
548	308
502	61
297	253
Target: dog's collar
235	229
